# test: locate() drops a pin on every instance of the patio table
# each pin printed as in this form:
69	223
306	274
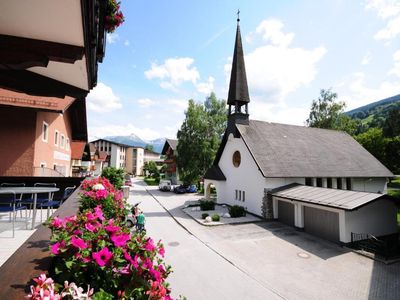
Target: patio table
30	190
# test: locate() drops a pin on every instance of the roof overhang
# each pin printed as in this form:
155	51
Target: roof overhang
51	47
334	198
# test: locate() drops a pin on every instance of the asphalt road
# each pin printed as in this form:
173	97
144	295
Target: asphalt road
199	272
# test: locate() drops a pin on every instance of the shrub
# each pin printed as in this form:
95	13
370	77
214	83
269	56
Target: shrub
99	191
115	176
215	217
237	211
205	215
207	205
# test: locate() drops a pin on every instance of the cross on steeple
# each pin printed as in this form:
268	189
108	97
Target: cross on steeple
238	17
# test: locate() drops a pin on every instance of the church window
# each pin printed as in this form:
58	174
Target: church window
236	159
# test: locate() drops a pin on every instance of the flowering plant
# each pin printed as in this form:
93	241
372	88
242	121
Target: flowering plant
90	248
114	16
99	191
45	290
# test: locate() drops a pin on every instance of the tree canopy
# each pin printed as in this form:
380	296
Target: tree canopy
381	136
327	113
199	137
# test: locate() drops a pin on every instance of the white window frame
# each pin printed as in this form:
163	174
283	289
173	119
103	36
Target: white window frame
45	133
56	137
43	165
62	141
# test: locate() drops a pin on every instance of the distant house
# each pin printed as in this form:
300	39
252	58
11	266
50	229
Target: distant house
129	158
37	134
319	180
115	151
171	153
137	157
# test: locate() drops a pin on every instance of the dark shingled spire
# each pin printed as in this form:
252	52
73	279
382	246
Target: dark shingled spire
238	90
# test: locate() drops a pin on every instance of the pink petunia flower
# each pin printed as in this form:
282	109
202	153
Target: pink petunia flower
99	213
150	245
78	243
102	257
120	240
55	248
92	227
161	251
111	227
101	194
57	223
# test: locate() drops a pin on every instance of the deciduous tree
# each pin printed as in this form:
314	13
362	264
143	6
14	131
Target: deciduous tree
199	137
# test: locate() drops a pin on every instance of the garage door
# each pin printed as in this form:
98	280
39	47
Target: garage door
322	223
286	212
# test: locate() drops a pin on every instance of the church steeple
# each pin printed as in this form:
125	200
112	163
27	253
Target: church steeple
238	95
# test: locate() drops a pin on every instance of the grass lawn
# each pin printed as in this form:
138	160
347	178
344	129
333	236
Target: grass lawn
395	183
151	181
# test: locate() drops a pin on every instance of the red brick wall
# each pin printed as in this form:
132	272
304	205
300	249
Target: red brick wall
17	139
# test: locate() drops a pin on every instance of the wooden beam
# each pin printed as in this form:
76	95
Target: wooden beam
21	53
38	85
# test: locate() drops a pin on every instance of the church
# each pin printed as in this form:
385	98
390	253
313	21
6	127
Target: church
321	181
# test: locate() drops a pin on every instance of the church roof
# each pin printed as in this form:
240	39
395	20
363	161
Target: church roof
282	150
215	173
238	90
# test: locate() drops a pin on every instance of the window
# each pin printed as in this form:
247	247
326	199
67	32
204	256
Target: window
236	194
62	142
348	184
243	196
67	143
43	165
45	132
101	148
330	183
109	148
56	134
339	183
319	182
308	181
236	159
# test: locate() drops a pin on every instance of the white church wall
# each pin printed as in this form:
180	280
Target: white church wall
245	178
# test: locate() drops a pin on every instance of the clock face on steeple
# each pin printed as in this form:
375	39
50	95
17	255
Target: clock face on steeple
236	159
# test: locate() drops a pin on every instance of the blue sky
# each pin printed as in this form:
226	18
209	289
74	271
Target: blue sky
168	52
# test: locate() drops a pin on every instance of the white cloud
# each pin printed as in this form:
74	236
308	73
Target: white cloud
176	106
127	43
102	99
276	69
358	92
271	31
112	38
391	30
126	129
396	68
145	102
366	59
206	87
174	72
277	112
385	8
388	10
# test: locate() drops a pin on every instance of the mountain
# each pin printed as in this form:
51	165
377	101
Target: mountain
374	114
135	141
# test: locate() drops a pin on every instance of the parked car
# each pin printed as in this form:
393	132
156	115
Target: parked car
180	189
164	185
191	189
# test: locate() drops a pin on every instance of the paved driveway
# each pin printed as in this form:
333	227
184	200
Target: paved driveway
272	260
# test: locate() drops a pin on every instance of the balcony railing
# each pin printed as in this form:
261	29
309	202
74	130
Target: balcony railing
33	257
